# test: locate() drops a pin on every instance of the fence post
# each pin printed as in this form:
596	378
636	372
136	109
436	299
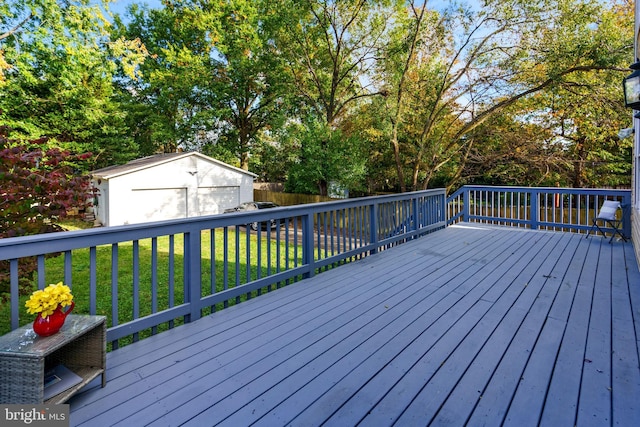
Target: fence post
533	209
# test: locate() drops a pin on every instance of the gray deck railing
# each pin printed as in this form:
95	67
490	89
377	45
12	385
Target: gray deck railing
541	208
148	277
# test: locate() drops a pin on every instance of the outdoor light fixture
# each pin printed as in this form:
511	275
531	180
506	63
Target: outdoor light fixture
631	85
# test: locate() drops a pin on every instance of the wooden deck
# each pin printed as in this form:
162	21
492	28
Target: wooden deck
470	325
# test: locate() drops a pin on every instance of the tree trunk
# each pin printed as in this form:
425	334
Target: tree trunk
396	154
244	138
578	166
323	187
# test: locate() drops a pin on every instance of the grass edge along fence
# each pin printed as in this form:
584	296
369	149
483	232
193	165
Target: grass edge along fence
159	270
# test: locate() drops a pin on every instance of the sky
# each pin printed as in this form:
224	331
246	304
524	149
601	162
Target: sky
120	6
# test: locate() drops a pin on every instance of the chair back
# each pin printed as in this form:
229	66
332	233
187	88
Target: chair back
608	210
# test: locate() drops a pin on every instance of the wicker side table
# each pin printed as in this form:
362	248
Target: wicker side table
24	358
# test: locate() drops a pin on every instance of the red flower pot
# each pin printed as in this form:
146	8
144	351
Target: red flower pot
45	326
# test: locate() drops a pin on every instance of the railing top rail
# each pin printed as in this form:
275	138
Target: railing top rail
556	208
17	247
626	193
568	190
222	258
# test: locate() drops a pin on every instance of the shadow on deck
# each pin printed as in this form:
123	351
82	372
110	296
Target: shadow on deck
469	325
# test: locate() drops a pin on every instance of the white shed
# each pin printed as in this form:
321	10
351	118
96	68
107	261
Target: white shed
168	186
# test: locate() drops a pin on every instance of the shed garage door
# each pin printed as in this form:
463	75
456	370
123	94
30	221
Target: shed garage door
158	204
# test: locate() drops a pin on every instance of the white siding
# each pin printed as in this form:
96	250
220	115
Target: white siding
184	187
157	204
214	200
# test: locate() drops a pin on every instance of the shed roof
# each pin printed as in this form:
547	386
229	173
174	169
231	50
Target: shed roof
155	160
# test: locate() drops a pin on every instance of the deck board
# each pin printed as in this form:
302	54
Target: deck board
384	355
528	401
437	356
562	401
471	324
364	331
624	362
496	396
595	391
311	328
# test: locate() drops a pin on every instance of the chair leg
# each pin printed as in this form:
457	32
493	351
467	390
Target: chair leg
624	239
591	229
616	230
601	230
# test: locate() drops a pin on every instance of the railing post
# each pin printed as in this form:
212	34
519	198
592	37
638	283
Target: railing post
416	214
373	227
626	215
192	273
533	209
93	278
15	297
465	204
307	244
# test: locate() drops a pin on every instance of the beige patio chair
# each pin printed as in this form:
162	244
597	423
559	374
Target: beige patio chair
607	215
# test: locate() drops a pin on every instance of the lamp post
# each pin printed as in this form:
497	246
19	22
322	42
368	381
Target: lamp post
631	86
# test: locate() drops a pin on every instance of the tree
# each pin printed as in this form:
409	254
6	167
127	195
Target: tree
585	111
211	77
577	120
324	152
165	99
248	92
39	184
329	48
500	56
57	77
512	151
400	67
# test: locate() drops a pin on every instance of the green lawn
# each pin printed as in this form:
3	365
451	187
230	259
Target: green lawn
142	303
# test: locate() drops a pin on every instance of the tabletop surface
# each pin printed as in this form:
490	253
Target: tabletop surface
26	342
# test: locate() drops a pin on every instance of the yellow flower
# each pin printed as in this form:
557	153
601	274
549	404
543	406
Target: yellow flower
46	300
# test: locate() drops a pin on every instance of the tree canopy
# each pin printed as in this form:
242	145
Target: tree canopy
369	95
